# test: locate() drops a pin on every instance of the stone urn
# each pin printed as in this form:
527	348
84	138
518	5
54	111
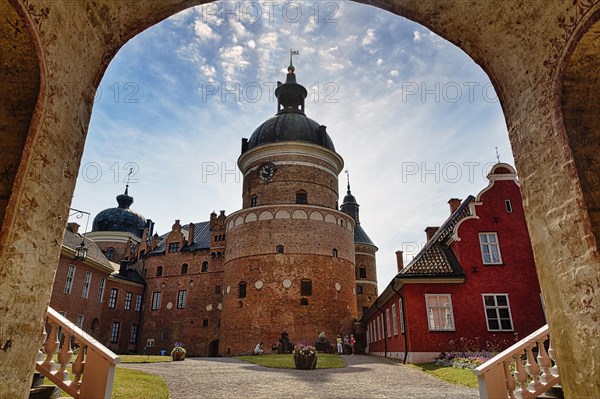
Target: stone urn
306	362
177	356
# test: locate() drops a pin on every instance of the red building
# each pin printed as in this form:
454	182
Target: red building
472	287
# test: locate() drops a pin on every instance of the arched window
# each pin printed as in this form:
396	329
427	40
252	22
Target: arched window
305	287
334	252
301	197
279	249
254	200
359	289
110	253
159	271
204	266
242	290
184	268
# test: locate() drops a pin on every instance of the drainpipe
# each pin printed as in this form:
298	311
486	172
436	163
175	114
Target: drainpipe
403	321
384	328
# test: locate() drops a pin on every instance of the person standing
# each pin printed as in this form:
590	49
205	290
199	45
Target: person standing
338	340
352	344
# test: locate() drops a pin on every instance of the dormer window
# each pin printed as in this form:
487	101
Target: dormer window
301	197
173	247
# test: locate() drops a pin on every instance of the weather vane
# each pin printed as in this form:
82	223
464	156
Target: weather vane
497	155
292	53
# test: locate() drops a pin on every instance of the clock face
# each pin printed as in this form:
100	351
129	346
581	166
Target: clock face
266	171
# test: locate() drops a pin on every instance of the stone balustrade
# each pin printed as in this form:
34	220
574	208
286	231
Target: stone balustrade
517	373
93	368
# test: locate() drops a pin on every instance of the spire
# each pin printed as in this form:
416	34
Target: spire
290	95
350	206
124	199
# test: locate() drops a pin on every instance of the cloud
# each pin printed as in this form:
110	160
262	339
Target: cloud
379	61
232	60
251	44
416	36
204	32
369	38
394	73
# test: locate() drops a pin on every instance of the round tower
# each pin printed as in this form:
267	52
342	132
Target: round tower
289	263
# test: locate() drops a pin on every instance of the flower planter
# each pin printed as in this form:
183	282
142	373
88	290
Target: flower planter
306	362
177	356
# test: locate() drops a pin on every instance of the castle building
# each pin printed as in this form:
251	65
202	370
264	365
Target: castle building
288	260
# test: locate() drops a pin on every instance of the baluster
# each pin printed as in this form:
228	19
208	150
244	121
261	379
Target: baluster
521	377
64	357
50	347
533	370
510	380
544	361
40	356
78	366
554	369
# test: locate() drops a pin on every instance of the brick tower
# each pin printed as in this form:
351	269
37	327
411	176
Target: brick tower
290	261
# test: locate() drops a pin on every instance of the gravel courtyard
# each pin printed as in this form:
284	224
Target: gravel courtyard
364	377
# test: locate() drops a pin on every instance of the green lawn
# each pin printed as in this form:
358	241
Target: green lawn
325	361
453	375
144	359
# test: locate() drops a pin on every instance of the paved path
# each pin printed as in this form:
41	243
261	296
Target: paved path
365	377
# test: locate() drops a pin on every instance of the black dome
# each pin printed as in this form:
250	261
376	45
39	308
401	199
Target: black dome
121	218
290	125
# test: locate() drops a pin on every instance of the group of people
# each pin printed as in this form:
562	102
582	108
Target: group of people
346	345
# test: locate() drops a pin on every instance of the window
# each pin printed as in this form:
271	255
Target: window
401	315
79	320
114	335
128	297
101	289
439	312
305	287
156	300
205	323
181	299
394	319
301	197
359	289
334	253
173	247
204	266
508	206
110	253
112	300
304	301
150	343
134	334
279	249
387	322
490	251
159	271
70	277
184	268
166	335
362	272
497	312
217	290
242	290
254	201
86	285
138	302
380	327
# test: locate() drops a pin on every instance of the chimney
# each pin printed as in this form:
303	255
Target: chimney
399	261
454	204
155	240
213	220
74	227
430	231
123	267
191	232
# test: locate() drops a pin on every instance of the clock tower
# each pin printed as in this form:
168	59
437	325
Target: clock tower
290	259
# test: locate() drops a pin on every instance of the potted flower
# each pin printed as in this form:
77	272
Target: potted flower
305	357
178	352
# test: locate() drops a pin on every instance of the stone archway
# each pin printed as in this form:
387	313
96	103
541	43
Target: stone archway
522	46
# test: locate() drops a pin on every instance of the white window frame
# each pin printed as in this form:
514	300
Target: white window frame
439	312
401	311
156	297
85	292
487	248
387	322
496	309
101	289
79	321
150	342
70	278
181	299
394	319
134	333
138	303
114	332
112	299
380	327
128	299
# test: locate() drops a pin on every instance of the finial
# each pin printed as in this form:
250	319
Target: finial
497	155
127	183
348	178
291	68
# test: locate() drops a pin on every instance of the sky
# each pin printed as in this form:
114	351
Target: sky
415	119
